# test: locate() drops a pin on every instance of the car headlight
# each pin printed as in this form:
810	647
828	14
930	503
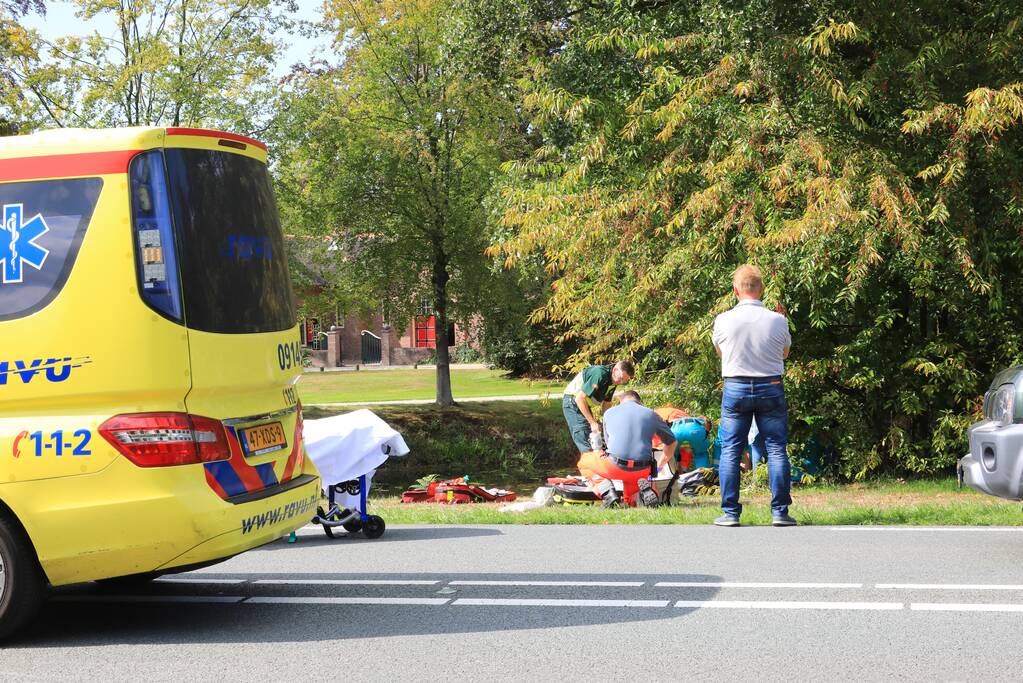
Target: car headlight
1001	404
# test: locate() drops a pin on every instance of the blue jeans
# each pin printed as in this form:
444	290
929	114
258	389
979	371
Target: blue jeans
741	401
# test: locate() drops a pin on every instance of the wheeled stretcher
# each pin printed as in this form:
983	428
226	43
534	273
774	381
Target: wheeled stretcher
347	449
351	520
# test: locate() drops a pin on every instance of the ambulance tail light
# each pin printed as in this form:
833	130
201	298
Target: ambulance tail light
167	439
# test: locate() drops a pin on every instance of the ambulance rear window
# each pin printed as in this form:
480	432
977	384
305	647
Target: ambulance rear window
234	271
42	224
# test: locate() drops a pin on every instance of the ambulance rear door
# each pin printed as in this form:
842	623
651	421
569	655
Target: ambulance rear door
240	313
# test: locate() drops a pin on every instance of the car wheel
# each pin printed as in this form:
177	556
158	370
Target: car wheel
22	587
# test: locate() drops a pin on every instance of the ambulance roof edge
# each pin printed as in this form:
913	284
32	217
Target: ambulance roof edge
203	132
63	141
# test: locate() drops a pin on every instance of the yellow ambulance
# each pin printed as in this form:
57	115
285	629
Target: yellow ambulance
149	353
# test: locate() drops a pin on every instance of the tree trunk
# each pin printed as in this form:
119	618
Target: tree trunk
440	310
181	63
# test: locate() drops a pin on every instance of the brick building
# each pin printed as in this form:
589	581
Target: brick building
370	340
339	340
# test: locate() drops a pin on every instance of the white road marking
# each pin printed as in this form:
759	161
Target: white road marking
547	583
952	586
961	607
740	584
770	604
970	529
347	582
345	601
151	598
546	602
166	579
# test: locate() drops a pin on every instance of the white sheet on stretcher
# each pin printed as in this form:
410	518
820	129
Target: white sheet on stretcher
343	447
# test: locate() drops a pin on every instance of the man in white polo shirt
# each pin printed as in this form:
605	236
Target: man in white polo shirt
753	343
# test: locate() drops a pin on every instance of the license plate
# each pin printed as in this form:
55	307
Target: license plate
264	438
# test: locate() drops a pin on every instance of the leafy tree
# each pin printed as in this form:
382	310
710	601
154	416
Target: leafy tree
866	155
16	44
510	340
169	62
389	156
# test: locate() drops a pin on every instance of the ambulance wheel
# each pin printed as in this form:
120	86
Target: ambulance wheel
374	527
353	526
22	587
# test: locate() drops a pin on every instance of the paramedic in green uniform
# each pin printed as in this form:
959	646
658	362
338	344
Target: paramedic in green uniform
596	382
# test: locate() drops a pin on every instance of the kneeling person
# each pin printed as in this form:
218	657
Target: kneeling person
593	383
629	428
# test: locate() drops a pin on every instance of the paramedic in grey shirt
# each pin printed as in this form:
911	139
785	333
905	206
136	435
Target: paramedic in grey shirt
753	343
630	428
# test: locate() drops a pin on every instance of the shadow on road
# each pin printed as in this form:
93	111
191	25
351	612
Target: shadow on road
392	534
89	615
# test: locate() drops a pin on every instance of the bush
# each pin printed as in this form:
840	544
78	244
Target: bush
464	353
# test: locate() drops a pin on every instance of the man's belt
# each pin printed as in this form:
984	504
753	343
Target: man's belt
754	380
627	464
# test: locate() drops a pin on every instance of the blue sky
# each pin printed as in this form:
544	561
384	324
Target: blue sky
60	20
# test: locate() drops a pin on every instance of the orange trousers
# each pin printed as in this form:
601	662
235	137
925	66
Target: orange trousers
596	467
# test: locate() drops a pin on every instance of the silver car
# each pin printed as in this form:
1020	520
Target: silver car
995	463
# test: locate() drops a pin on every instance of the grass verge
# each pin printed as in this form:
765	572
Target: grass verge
405	384
931	502
517	445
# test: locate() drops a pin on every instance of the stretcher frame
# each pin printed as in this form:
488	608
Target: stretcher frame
354	520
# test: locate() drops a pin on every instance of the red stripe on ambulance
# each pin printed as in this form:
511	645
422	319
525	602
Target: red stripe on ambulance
246	472
296	458
66	165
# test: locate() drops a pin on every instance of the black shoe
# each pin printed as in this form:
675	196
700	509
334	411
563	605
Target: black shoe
610	496
606	490
782	519
647	494
611	502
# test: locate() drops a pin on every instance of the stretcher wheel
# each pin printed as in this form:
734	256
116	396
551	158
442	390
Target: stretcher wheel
374	527
353	527
327	529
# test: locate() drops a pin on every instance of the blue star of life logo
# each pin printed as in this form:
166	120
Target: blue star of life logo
17	243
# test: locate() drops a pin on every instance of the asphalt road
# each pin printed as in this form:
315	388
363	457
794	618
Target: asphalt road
558	603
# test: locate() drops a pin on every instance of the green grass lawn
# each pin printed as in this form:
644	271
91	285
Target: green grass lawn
934	502
407	383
